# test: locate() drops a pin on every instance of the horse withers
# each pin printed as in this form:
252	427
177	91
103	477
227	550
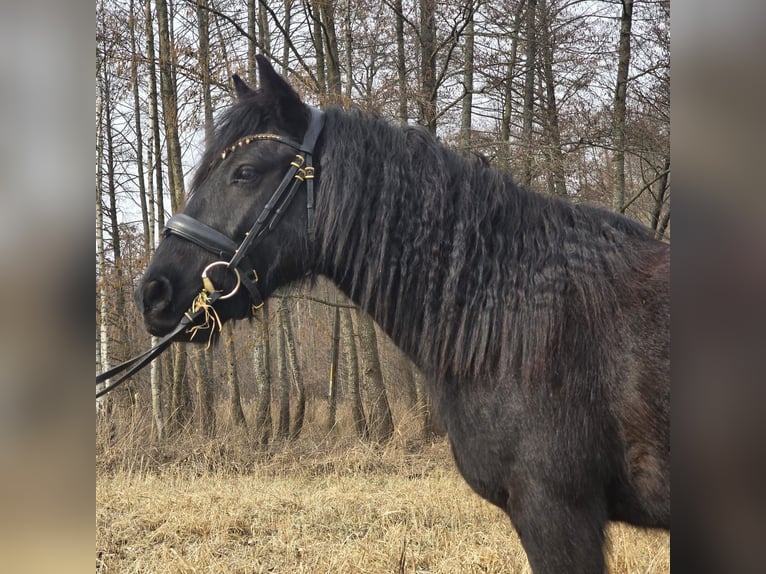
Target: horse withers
543	327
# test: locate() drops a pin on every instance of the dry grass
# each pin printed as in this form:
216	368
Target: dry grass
317	506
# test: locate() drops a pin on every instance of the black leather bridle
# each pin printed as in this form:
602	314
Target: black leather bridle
232	255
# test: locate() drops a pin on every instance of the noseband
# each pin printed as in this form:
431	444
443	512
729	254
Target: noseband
301	170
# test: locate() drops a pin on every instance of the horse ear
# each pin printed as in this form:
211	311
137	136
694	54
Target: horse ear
241	88
275	87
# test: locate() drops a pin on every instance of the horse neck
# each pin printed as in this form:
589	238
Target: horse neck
399	216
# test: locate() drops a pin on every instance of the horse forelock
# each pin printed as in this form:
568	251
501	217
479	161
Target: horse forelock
467	272
252	115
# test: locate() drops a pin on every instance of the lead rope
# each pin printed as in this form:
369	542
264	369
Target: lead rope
132	366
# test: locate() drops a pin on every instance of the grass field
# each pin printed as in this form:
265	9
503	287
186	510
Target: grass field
315	508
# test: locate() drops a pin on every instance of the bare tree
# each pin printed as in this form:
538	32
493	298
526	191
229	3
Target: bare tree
529	92
134	57
332	60
468	58
205	391
428	49
401	67
379	419
556	180
510	67
291	355
203	26
332	391
318	40
205	387
102	341
620	103
261	351
180	395
181	404
170	108
158	412
351	368
283	379
236	414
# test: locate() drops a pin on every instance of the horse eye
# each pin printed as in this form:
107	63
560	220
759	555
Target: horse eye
245	173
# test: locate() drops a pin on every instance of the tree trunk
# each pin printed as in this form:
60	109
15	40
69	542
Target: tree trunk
505	121
205	391
283	380
158	215
154	114
252	46
351	369
158	411
262	377
332	61
407	370
332	392
428	65
663	226
102	343
180	399
529	94
348	53
203	28
431	423
401	65
380	421
557	185
205	394
170	109
659	197
137	125
232	378
319	50
286	44
467	104
264	34
297	376
620	99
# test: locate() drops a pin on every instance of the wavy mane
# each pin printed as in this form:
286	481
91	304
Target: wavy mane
466	271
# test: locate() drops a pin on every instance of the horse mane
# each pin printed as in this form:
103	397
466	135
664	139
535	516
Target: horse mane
465	270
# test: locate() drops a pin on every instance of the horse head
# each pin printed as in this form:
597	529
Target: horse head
245	228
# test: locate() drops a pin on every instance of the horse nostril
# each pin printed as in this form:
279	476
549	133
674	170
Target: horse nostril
156	294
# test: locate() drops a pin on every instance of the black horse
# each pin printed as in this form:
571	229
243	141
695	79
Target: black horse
543	326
